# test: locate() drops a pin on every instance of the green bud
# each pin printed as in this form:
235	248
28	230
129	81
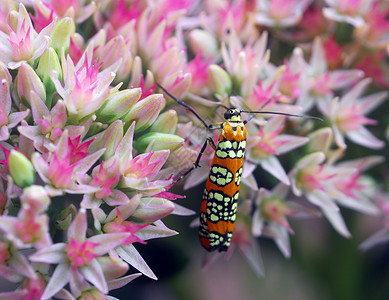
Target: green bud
158	141
25	82
93	293
108	139
145	112
320	140
166	122
218	82
201	41
21	169
117	105
49	62
60	39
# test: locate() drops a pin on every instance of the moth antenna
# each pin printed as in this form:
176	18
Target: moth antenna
278	113
183	104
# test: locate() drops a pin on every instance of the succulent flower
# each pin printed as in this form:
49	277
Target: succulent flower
93	143
22	43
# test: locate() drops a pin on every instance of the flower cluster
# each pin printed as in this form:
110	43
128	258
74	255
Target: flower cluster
90	144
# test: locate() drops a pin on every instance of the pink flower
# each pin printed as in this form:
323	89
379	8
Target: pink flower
269	143
58	171
13	264
123	14
78	150
8	119
374	33
320	83
316	181
27	229
289	84
51	125
261	95
121	225
44	15
372	66
34	288
312	23
117	221
85	87
283	13
140	172
244	64
347	116
102	179
356	191
76	9
382	235
198	67
76	260
23	43
80	253
350	11
270	216
334	53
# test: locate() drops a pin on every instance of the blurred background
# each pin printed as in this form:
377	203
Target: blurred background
323	266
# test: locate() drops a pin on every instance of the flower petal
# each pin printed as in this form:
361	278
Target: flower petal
122	281
57	281
53	254
336	220
132	256
272	165
153	232
77	229
108	241
94	274
365	138
252	253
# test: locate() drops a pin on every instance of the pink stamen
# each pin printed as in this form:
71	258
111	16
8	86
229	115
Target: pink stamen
80	253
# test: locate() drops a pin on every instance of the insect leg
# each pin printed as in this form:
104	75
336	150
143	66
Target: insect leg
196	164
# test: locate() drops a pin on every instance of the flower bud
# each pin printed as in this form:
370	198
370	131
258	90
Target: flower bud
219	82
166	122
36	198
48	63
64	29
117	104
113	267
158	141
145	112
94	294
4	73
203	42
320	140
25	82
115	50
153	209
177	83
108	139
21	169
